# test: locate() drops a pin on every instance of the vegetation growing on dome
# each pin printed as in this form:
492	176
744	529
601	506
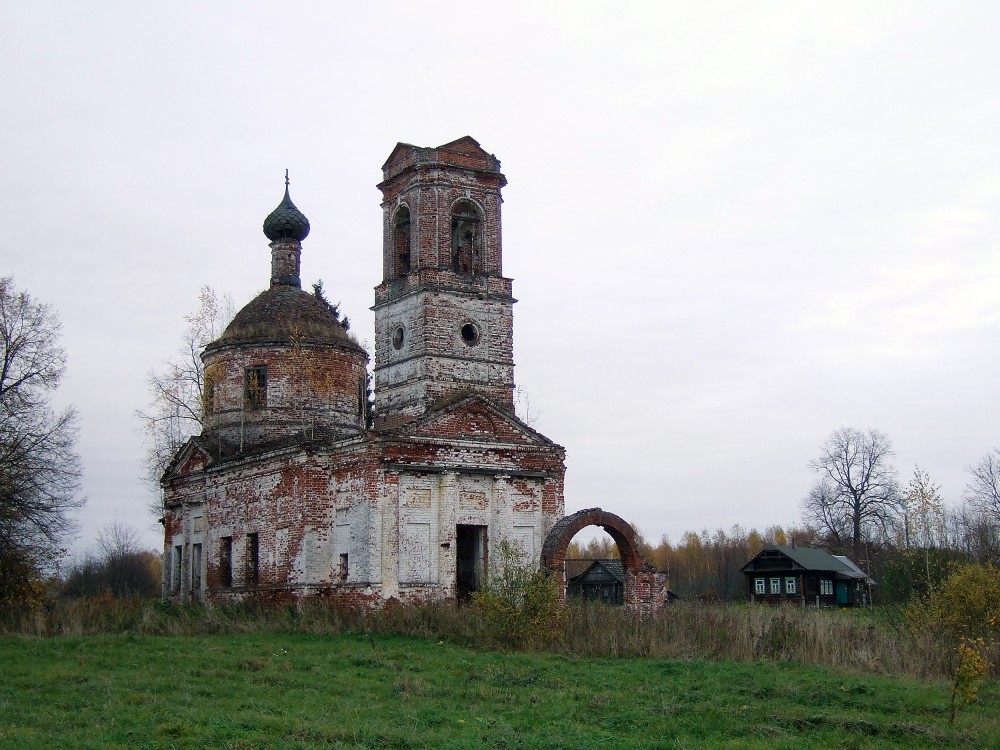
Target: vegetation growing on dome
319	294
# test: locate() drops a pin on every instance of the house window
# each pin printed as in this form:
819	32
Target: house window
255	387
363	401
178	559
760	585
826	587
343	566
226	561
208	397
470	334
775	585
790	585
253	560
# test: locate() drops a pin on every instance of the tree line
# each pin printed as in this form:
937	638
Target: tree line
118	567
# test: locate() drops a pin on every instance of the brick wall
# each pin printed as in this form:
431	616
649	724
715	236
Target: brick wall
440	330
391	504
311	390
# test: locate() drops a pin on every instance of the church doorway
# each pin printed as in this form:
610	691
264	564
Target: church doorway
470	563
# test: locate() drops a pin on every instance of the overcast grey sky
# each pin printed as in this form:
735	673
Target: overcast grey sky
732	227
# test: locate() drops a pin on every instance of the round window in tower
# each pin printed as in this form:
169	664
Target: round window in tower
397	338
470	334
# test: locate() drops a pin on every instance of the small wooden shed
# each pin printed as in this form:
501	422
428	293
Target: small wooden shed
602	581
807	576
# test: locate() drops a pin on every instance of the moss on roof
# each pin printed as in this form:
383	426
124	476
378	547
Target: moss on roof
285	314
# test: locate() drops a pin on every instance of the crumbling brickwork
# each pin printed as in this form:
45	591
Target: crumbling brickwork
444	311
287	493
645	589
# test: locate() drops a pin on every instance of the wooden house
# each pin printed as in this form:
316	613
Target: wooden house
807	576
602	581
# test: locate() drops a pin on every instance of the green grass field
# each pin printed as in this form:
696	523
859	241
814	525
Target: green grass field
351	691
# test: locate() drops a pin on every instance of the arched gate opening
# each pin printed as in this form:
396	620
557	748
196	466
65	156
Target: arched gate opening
642	588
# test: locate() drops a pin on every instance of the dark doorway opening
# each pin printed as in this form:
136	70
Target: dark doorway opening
470	567
196	572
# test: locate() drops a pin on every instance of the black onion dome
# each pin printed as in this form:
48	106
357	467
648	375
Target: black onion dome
286	222
282	315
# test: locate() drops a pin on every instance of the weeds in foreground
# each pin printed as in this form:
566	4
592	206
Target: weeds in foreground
970	674
855	641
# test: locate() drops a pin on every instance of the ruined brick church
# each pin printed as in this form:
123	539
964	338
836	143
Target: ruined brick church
295	488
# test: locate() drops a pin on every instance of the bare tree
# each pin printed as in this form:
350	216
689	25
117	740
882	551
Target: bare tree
924	524
975	533
524	409
128	568
39	467
983	490
821	509
857	497
176	407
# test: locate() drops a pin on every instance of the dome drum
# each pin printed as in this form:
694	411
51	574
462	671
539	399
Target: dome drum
257	395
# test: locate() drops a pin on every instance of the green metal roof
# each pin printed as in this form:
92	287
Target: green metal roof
809	558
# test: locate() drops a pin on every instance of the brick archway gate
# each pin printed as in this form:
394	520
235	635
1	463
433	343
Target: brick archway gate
642	588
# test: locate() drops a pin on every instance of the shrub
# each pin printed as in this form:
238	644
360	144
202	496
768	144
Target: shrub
519	603
965	605
21	583
970	674
131	573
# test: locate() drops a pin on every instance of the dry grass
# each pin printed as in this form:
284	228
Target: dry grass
857	641
873	643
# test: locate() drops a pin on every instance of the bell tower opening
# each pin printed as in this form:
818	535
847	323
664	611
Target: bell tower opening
466	239
401	242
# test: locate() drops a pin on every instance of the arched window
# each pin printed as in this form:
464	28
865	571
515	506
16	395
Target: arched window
466	238
401	242
255	387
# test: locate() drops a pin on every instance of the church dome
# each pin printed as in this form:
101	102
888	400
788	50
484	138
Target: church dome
286	222
285	314
285	368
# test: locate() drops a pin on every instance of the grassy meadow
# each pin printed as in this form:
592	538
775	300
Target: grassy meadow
115	675
362	691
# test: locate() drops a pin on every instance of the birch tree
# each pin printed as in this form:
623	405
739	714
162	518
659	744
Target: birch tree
176	406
